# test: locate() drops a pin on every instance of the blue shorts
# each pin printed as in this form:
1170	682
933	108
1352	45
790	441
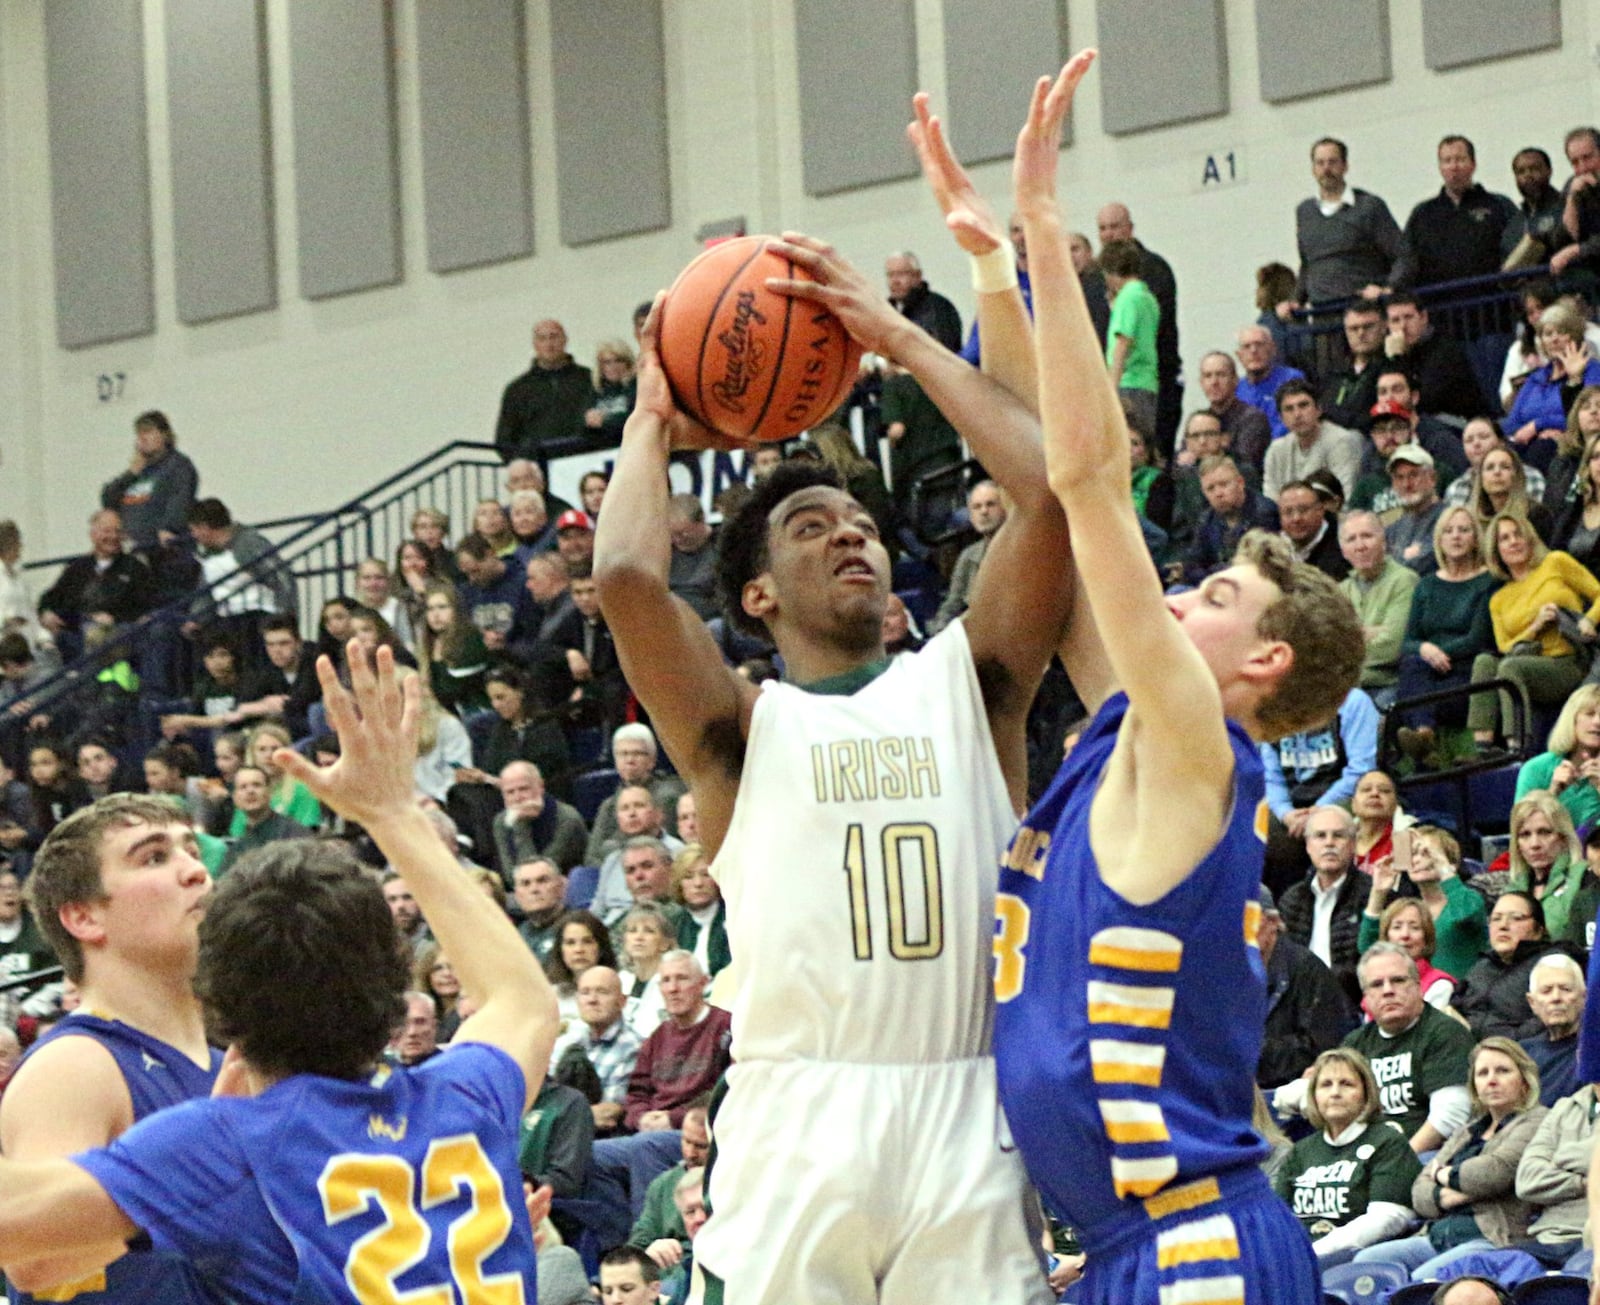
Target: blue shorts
1209	1248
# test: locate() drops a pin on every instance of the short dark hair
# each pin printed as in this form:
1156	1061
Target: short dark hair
1296	386
281	621
155	419
742	546
621	1256
14	649
1394	367
178	757
1121	258
210	512
300	963
1533	149
217	637
1363	308
67	869
1472	152
1344	152
475	546
1403	297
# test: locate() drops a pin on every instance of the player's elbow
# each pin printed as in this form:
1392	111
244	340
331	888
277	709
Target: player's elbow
623	575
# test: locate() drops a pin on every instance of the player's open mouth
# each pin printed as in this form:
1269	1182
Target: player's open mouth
855	567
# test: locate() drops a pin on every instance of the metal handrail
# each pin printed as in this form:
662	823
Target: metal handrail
295	547
1499	282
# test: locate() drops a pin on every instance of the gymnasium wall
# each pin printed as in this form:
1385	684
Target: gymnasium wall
336	198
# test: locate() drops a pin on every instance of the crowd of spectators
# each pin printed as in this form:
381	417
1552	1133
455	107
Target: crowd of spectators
1423	1005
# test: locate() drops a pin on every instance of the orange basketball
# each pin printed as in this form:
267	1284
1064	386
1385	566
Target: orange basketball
745	361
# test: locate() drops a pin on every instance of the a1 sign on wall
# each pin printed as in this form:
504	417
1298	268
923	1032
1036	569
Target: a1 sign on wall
1219	168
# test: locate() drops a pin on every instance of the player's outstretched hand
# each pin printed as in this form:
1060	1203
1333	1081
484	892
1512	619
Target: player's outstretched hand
654	395
1033	170
839	285
376	721
968	215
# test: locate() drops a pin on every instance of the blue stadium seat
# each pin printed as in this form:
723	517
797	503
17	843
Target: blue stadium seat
1553	1289
1490	796
1580	1265
592	788
1365	1284
582	880
923	604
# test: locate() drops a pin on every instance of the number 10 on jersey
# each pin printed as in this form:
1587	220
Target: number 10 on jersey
912	887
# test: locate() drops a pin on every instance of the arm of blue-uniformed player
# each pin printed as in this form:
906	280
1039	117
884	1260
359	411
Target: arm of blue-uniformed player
57	1224
371	783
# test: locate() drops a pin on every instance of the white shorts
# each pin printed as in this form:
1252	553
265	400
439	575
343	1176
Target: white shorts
845	1184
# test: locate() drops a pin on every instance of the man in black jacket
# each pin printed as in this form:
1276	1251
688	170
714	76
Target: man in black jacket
911	295
1307	1011
105	583
1323	911
543	408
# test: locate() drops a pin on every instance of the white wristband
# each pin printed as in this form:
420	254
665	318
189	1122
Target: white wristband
994	271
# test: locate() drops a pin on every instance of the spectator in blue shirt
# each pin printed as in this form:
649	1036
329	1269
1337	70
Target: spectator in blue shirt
1263	375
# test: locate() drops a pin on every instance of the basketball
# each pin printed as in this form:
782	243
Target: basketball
744	360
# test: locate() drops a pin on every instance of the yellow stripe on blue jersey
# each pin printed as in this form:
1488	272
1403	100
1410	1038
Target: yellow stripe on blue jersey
1119	1003
1252	925
1128	948
1211	1238
1113	1061
1188	1197
1134	1121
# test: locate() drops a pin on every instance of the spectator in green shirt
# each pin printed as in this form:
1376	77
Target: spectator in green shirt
1131	337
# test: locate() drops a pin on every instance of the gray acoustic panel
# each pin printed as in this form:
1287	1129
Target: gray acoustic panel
1311	47
99	170
346	173
1456	32
222	228
612	173
994	52
858	72
473	99
1161	61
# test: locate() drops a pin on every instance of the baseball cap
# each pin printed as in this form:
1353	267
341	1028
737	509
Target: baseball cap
1415	454
1389	408
572	519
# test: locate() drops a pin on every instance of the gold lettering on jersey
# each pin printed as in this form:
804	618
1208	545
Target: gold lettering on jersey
1027	852
866	770
378	1127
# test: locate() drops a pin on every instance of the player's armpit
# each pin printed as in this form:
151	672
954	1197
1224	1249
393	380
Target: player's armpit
38	1123
52	1209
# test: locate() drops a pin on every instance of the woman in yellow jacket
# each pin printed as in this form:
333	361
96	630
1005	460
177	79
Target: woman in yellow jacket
1533	653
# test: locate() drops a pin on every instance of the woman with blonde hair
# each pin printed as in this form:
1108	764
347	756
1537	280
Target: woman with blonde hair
1533	653
1583	424
646	936
1547	861
614	390
1350	1182
1577	527
703	931
1448	626
1538	416
289	796
443	745
1469	1189
1570	768
433	975
1456	930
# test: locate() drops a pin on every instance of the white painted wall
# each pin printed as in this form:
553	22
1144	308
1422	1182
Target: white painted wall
301	407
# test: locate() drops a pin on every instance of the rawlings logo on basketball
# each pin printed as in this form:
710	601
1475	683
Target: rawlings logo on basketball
745	355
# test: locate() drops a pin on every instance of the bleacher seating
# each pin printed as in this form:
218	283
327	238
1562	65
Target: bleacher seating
1364	1284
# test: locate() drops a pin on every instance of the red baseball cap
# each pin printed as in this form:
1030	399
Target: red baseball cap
572	519
1389	408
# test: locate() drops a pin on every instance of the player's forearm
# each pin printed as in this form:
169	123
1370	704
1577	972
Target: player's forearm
1085	442
492	962
633	542
1008	352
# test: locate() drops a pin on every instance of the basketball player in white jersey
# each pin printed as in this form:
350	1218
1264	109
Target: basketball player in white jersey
857	813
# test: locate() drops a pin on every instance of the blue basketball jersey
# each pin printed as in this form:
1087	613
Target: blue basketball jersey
158	1076
331	1190
1126	1037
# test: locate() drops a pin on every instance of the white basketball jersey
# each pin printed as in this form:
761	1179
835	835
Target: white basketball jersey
859	868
